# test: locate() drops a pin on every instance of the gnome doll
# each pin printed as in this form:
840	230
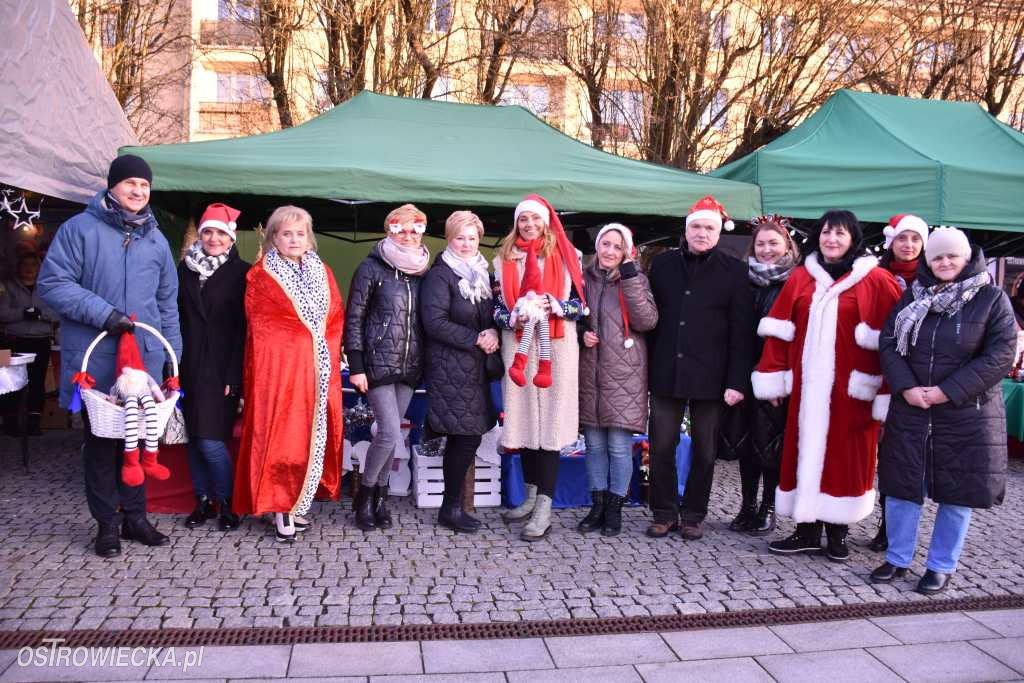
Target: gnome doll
138	392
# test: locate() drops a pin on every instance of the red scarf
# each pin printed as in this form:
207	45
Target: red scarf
552	281
905	269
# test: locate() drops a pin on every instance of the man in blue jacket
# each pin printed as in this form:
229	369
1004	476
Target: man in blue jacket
104	265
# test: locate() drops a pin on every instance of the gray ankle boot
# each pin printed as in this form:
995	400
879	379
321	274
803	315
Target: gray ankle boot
525	509
540	523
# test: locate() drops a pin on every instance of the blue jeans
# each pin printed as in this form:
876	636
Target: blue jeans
951	524
609	459
211	467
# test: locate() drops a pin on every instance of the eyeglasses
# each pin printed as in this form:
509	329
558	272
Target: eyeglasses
395	227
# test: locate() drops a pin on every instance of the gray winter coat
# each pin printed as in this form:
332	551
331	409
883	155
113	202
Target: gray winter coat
613	379
95	266
14	299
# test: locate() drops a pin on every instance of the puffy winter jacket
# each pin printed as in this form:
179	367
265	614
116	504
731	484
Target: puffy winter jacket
383	336
94	266
956	451
613	379
15	297
457	387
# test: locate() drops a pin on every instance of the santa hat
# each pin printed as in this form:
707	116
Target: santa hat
222	217
947	241
708	208
128	354
903	222
540	206
627	237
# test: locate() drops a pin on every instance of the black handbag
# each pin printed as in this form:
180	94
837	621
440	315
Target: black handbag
494	366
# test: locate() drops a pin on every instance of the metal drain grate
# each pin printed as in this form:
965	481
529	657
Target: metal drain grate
290	635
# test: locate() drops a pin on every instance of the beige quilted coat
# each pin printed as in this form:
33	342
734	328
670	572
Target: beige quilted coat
613	379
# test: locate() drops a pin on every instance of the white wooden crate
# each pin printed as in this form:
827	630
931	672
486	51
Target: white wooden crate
428	481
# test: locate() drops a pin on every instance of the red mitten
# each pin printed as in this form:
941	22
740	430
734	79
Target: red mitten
152	468
131	471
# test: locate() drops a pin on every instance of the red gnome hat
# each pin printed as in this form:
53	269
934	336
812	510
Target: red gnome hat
128	354
708	208
222	217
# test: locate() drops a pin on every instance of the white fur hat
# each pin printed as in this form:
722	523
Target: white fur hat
947	241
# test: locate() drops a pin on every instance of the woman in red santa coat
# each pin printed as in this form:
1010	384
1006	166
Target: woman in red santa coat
292	427
822	347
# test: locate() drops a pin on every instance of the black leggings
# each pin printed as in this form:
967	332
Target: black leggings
751	473
458	456
541	469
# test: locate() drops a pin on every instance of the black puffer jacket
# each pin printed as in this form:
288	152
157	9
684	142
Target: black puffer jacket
955	450
754	428
383	337
457	387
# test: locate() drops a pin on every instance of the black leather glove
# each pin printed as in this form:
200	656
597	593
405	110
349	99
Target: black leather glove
118	323
168	370
32	313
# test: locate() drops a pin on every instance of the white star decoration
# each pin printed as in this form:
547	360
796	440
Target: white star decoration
20	212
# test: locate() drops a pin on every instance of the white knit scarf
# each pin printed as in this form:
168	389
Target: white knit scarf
474	279
201	263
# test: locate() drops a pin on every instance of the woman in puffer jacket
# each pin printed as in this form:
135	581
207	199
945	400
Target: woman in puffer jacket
613	373
945	349
383	344
771	259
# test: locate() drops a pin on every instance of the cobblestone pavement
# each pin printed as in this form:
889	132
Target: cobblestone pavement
417	573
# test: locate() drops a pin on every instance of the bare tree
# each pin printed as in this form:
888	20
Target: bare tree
146	53
278	21
591	28
348	28
502	27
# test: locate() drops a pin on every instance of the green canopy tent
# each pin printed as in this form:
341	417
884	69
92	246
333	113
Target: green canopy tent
951	163
360	159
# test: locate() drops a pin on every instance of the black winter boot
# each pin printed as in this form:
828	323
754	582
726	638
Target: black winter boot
451	516
764	521
880	543
806	538
836	549
363	507
381	516
204	511
613	515
595	517
746	519
107	542
228	519
140	529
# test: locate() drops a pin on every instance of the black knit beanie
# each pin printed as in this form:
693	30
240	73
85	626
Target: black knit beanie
128	166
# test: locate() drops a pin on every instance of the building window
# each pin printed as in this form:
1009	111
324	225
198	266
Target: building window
720	31
442	89
776	34
236	10
108	29
439	20
622	107
536	98
714	115
234	87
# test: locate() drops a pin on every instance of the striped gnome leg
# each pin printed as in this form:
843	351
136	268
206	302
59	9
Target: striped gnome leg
149	464
543	377
131	471
516	372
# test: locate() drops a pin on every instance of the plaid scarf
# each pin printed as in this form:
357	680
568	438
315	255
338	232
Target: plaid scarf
204	265
764	274
945	298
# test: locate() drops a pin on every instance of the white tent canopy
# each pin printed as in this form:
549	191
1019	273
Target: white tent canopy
60	124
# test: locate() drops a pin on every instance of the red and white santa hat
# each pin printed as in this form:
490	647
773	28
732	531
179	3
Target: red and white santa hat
901	223
708	208
222	217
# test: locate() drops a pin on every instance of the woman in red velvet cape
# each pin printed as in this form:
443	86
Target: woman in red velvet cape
285	440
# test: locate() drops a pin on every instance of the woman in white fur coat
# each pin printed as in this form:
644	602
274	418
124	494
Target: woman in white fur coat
822	346
542	412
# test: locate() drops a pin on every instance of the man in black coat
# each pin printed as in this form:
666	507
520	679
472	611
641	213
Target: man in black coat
700	355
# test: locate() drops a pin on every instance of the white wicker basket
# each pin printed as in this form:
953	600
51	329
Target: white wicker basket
106	419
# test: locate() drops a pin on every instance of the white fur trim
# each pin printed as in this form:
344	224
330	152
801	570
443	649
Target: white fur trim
908	222
705	214
776	327
863	386
880	407
227	228
866	336
861	267
533	206
823	507
728	226
769	385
